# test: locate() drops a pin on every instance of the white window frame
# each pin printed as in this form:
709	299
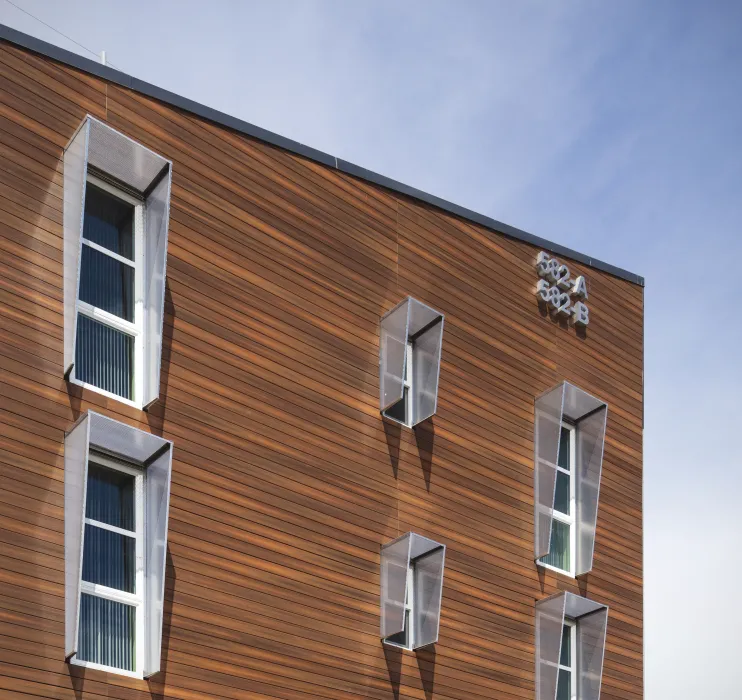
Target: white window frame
408	384
135	599
572	668
570	519
135	329
409	617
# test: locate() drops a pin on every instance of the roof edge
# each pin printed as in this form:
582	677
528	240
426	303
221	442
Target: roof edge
87	65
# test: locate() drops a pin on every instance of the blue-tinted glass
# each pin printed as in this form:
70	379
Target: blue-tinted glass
566	657
110	497
561	493
107	283
104	357
564	689
558	555
564	444
109	559
108	222
107	632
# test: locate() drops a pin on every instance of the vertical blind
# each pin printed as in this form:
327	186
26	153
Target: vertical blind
107	632
104	356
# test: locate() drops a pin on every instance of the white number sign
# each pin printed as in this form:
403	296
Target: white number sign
557	289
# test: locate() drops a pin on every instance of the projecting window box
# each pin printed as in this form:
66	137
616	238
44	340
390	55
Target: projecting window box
116	213
116	502
569	437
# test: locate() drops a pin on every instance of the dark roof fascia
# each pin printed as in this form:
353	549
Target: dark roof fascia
115	76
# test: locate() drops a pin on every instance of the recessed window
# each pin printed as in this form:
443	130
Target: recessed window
562	547
108	352
112	586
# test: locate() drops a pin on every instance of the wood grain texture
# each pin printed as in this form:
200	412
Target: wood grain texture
285	480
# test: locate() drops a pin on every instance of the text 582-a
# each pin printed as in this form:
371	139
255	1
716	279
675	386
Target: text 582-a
557	289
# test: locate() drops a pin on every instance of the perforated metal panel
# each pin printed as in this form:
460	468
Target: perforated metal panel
395	559
547	432
427	366
549	622
157	500
75	169
121	157
590	443
428	592
392	355
120	439
155	262
75	482
590	653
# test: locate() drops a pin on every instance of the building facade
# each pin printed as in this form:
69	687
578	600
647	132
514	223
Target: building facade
273	426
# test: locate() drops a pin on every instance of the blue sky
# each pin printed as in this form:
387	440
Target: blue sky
611	127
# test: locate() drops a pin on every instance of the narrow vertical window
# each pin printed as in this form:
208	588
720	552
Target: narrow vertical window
402	410
561	554
108	351
112	585
567	677
116	218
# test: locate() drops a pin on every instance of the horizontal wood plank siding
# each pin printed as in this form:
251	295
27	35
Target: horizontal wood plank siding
286	482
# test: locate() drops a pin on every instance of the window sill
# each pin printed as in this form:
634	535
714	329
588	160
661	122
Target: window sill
106	669
563	572
107	394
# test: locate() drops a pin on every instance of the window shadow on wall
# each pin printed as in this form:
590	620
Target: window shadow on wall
393	432
393	658
425	439
156	683
426	665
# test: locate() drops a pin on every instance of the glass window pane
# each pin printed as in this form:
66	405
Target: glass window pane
561	493
109	559
564	445
107	283
566	658
104	357
110	497
107	633
564	688
559	554
109	222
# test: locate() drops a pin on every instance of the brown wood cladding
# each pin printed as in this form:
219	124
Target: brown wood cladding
285	479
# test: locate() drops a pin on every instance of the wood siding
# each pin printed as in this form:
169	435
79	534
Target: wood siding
285	479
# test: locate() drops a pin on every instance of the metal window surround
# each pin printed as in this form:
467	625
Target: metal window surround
396	558
410	320
108	152
592	621
154	455
567	402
